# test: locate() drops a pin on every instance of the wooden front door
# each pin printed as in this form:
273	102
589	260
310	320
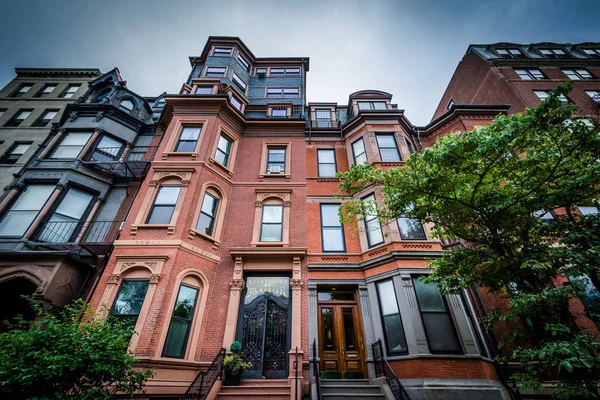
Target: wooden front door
341	346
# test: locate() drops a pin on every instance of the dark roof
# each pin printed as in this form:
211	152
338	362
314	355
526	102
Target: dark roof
82	72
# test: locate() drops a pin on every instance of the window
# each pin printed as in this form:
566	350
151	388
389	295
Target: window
129	301
358	150
63	225
108	149
19	117
235	102
71	89
283	92
372	105
102	95
271	227
592	52
72	144
544	215
510	53
554	53
436	318
239	82
276	160
15	152
388	149
323	118
409	145
285	72
278	112
204	90
410	229
326	163
529	74
208	214
578	74
223	150
22	90
222	51
390	314
450	104
181	322
261	71
588	210
126	105
594	94
164	205
372	225
243	62
46	117
188	139
215	71
543	95
589	296
23	211
332	231
2	111
45	92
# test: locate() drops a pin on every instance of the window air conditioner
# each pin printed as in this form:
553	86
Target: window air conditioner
275	169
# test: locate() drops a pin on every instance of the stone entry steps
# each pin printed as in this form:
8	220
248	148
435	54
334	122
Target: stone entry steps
342	389
256	389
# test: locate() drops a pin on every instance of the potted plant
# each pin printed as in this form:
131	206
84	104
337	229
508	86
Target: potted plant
234	365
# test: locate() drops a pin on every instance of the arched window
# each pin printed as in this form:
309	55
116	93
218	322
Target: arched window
208	212
126	105
182	317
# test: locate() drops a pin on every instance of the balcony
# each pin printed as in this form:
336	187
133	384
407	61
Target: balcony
322	124
80	237
129	163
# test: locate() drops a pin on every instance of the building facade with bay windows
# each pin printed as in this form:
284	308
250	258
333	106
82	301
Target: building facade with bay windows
65	207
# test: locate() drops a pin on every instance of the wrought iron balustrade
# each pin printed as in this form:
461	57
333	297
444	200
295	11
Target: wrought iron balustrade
382	368
323	124
93	232
204	381
132	162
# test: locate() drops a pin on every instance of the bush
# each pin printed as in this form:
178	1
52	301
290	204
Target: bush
331	375
236	347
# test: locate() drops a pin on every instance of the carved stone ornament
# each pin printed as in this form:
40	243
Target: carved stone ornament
114	278
296	284
154	278
236	284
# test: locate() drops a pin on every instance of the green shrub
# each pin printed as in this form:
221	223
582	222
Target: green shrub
331	375
353	375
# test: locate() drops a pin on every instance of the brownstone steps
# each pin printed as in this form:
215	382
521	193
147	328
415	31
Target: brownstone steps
271	389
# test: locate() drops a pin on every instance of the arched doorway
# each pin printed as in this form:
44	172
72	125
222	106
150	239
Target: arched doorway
13	304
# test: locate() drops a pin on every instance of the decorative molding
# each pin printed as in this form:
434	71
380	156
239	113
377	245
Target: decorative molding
236	284
378	251
296	284
333	258
417	246
114	279
154	278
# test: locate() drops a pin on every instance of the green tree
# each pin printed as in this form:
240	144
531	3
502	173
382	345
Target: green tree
489	186
69	355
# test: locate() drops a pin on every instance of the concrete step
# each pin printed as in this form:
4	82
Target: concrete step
257	389
254	396
356	396
345	382
263	382
337	389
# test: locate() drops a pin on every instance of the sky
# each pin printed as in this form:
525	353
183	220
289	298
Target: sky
407	48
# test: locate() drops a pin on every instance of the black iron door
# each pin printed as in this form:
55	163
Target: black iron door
264	332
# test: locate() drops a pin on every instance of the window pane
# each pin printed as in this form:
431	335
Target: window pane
323	114
167	195
271	233
221	157
380	105
33	197
349	332
327	170
186	146
190	133
387	298
76	139
175	343
186	299
359	159
389	154
16	223
161	215
329	215
276	155
333	239
20	149
430	298
130	298
327	327
386	141
224	144
374	232
392	323
326	156
272	214
588	210
440	332
205	224
74	204
410	229
209	204
204	90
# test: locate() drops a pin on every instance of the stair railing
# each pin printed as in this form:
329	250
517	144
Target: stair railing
316	370
205	380
382	368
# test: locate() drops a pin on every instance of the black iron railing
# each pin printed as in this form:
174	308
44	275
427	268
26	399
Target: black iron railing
118	161
315	365
204	381
323	124
296	370
77	231
382	368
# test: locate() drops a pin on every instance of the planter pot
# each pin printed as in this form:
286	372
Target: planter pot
232	380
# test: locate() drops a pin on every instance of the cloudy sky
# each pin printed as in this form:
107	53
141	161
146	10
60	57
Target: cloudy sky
407	48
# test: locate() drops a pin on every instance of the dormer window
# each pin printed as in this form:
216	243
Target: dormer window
222	51
592	52
215	71
554	53
510	53
239	82
261	72
372	105
204	89
323	118
578	74
235	102
126	105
